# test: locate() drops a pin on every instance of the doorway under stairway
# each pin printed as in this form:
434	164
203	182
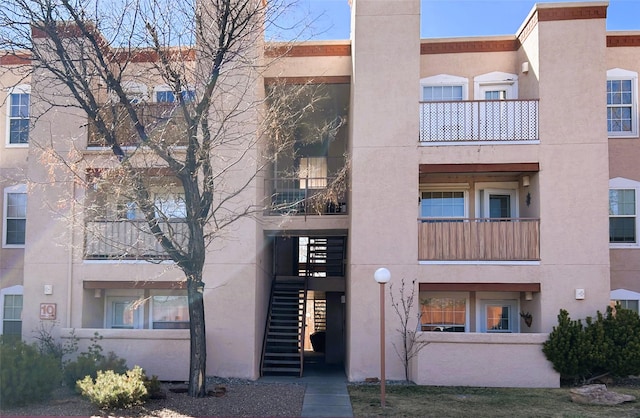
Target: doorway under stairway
305	326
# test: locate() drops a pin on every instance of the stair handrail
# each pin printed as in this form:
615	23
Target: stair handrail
266	325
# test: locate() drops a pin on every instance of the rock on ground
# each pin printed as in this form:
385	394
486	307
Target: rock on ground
598	395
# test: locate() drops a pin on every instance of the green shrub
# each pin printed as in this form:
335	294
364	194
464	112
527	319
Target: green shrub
26	375
608	345
111	390
89	362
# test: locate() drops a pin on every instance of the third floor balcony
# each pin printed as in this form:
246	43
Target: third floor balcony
478	121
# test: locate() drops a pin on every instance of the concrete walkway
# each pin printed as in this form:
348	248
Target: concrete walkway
325	394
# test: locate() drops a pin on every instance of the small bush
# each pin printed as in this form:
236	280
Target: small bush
26	375
111	390
89	362
608	345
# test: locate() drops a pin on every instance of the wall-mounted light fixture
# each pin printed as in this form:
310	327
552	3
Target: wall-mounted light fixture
528	295
525	67
97	293
526	181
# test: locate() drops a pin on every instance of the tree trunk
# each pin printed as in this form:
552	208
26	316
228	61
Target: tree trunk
198	347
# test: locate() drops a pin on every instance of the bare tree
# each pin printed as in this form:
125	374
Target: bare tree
204	145
403	307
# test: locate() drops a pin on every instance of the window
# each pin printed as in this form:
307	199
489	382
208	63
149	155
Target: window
442	204
15	216
164	94
627	304
171	206
169	312
622	109
499	316
441	93
124	312
622	216
12	315
135	92
443	87
313	172
18	115
443	313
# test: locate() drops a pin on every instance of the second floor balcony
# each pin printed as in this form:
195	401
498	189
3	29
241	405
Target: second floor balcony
478	121
162	121
129	239
479	239
305	196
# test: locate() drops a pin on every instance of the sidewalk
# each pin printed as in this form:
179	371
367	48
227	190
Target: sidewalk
325	394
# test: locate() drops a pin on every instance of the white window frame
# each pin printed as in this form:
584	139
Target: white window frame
18	189
621	74
620	183
17	290
453	187
165	88
138	313
20	89
450	295
445	80
509	187
624	295
514	318
152	308
496	80
136	92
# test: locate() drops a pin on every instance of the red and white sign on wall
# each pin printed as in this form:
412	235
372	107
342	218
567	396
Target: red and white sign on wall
47	311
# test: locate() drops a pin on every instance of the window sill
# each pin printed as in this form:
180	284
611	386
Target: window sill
620	246
623	136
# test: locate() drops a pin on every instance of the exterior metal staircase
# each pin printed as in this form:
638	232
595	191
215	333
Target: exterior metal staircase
325	256
283	349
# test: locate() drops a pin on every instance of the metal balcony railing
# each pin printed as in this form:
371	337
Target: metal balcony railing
129	239
161	120
479	239
479	120
304	196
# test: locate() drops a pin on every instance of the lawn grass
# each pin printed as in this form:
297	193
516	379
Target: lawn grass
430	401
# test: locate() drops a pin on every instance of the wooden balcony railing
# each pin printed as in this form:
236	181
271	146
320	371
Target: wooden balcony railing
162	121
129	239
304	196
506	239
479	120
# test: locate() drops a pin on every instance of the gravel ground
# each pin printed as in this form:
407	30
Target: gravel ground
242	399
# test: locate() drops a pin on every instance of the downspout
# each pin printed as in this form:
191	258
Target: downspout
70	256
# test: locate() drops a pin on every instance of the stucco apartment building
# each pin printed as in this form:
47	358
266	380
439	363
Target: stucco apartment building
486	171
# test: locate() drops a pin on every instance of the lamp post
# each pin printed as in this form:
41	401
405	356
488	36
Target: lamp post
382	276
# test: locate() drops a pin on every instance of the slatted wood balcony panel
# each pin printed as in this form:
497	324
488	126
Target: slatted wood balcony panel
509	239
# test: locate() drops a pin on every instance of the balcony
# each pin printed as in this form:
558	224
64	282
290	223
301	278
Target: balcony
128	239
475	239
304	196
162	121
478	121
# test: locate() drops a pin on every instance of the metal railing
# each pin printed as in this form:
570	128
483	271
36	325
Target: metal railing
479	120
129	239
479	239
304	196
159	119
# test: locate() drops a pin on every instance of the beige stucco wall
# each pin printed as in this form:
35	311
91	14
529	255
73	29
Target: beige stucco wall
624	155
384	169
488	360
13	164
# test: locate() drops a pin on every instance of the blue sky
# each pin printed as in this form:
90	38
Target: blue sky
446	18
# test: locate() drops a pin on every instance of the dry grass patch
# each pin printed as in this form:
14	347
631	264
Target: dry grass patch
429	401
